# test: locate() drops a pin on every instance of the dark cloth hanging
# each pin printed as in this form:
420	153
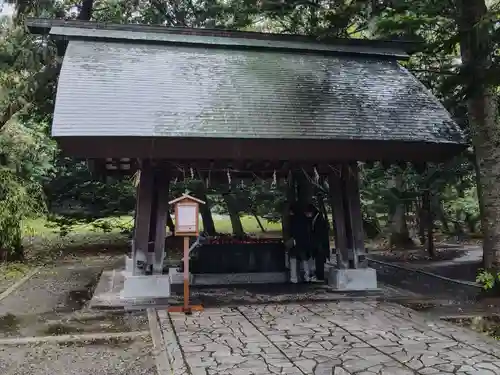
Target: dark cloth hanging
320	234
320	241
300	231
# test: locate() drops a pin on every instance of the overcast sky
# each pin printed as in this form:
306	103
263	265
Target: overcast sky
6	9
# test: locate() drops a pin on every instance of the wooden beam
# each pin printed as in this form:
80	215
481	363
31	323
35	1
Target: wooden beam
181	169
153	214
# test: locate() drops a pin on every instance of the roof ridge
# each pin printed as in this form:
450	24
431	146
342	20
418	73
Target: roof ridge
90	30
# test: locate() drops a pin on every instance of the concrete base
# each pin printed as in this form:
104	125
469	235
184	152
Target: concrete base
109	294
151	286
352	279
129	264
229	278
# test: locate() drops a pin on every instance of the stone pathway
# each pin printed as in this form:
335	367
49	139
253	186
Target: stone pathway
339	338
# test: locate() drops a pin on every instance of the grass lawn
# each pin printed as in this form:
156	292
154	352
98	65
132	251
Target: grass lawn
41	228
44	242
223	225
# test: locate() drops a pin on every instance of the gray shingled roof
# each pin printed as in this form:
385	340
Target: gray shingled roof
127	89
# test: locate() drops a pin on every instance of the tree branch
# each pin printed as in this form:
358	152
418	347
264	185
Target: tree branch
37	82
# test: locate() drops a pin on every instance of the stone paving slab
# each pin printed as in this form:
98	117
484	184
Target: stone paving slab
339	338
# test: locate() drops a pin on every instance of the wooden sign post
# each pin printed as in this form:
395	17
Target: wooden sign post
186	225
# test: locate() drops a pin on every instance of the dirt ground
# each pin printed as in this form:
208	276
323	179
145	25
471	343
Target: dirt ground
454	261
102	358
53	302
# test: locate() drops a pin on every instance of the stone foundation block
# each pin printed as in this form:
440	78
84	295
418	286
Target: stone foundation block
150	286
352	279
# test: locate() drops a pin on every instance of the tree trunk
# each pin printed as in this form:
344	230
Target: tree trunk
234	215
170	224
86	10
477	179
207	219
205	211
400	236
471	223
322	209
429	222
421	220
258	221
476	52
437	207
460	216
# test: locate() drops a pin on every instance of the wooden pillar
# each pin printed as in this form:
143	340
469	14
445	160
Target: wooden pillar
161	192
347	217
354	216
143	214
426	214
152	223
338	212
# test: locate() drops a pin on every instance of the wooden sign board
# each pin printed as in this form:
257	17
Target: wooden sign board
186	225
186	215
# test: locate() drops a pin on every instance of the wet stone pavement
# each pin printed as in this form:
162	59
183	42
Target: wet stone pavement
331	338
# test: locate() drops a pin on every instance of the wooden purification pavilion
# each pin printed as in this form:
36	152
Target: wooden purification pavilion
172	100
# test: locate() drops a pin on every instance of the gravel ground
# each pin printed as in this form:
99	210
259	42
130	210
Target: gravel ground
418	256
53	302
49	295
10	273
462	271
425	285
104	358
235	295
461	262
61	288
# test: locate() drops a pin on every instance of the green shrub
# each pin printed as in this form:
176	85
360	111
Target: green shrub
487	279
